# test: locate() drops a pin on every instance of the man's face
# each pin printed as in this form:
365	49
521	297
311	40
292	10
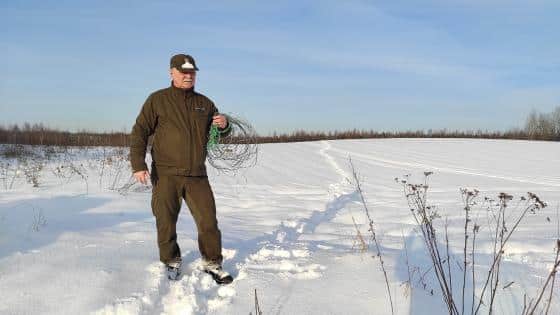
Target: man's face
183	80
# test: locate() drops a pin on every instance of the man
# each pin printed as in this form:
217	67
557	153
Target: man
179	120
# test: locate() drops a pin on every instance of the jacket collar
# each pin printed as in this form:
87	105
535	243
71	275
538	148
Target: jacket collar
181	93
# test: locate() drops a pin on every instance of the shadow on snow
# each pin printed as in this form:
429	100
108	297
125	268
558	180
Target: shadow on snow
31	224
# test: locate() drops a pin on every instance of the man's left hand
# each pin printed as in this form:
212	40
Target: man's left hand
220	121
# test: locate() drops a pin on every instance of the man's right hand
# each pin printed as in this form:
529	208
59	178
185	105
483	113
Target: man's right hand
142	176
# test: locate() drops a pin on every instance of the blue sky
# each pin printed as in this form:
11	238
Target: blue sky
314	65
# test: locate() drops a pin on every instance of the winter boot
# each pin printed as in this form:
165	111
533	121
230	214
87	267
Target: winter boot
173	269
217	273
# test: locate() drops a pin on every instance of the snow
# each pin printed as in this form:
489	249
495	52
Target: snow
77	244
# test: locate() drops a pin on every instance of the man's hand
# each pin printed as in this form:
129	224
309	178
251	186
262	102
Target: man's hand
220	121
142	176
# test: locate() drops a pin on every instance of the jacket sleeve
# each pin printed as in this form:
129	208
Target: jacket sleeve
142	130
224	132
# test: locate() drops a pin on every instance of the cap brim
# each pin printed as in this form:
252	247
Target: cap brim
183	70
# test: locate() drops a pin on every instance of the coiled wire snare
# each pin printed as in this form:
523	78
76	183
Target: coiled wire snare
237	150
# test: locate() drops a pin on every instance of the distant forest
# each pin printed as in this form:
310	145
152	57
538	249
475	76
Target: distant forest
538	126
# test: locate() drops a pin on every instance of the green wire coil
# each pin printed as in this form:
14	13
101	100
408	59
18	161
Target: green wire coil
232	148
213	137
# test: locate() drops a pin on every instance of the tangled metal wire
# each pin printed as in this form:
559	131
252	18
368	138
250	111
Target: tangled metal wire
237	150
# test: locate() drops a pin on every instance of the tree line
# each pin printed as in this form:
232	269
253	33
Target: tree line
39	134
538	126
543	126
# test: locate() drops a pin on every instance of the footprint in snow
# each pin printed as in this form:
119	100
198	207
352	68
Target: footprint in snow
288	263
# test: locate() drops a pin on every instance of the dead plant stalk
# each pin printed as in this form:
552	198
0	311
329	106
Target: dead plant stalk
372	230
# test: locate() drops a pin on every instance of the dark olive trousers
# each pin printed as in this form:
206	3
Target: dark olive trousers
167	195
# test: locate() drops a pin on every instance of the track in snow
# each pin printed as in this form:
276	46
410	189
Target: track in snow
280	253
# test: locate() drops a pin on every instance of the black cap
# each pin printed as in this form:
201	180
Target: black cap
183	63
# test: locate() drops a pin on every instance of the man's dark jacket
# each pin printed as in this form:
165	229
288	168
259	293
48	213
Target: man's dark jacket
180	121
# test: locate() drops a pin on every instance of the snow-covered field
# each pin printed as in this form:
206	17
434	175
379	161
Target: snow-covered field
83	241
